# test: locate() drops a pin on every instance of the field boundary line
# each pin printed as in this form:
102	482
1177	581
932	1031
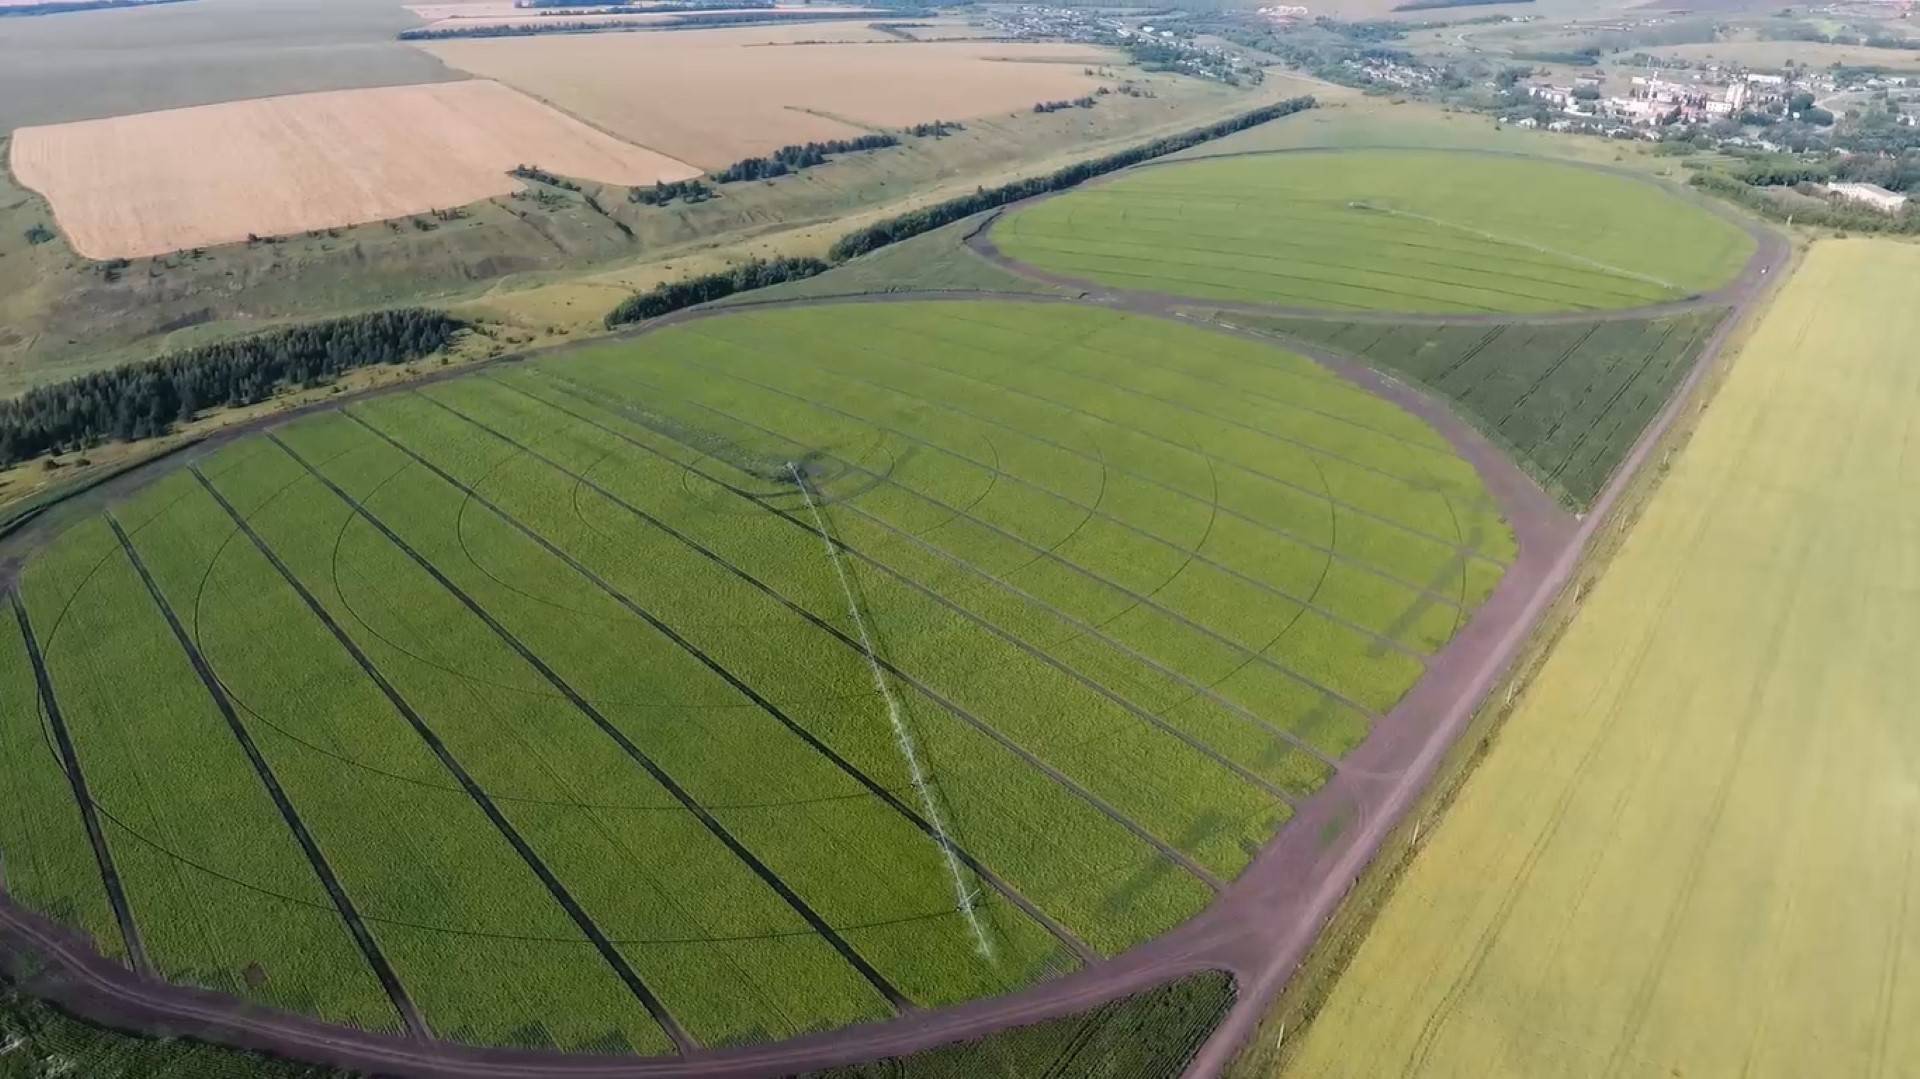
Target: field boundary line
1001	738
893	996
1097	633
873	786
76	778
682	1041
416	1024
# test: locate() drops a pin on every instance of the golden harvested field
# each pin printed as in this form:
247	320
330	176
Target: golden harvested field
163	181
715	96
1694	849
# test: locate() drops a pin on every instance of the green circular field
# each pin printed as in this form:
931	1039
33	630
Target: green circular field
569	704
1391	230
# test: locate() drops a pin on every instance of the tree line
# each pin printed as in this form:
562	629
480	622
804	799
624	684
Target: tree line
925	219
141	400
538	174
666	191
1056	106
1819	211
794	158
674	295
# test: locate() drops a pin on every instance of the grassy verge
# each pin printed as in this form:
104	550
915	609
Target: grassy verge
1149	1035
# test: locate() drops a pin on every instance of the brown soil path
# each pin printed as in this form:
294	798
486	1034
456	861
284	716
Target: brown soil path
1259	928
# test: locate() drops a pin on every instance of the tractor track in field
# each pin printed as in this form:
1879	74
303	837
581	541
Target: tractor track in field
1259	927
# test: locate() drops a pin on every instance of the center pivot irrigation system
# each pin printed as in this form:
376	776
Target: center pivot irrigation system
902	736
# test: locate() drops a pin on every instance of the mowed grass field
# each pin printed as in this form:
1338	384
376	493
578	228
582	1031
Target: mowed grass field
1567	400
578	686
1692	850
1424	231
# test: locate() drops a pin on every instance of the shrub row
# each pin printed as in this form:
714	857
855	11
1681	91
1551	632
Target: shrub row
794	158
674	295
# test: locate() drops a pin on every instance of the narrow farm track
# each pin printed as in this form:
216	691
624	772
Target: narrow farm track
1259	926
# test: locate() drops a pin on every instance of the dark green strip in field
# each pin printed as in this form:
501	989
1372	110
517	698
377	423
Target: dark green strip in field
751	968
46	859
1059	932
376	959
217	884
475	936
1164	810
627	746
622	970
134	949
1023	821
1085	651
1567	400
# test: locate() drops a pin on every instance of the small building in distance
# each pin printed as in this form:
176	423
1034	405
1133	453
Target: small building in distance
1870	195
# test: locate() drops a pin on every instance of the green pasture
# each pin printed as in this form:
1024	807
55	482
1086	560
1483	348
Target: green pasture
1567	400
1395	230
554	666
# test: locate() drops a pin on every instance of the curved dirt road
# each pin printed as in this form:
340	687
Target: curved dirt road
1259	928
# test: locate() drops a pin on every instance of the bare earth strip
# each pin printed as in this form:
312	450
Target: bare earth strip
150	183
750	97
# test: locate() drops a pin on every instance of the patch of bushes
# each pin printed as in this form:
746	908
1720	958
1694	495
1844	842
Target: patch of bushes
662	193
39	234
794	158
1056	106
675	295
141	400
540	175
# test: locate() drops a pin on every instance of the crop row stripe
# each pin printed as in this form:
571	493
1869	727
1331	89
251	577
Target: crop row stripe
624	971
70	763
1059	932
403	1004
1092	631
894	997
1106	808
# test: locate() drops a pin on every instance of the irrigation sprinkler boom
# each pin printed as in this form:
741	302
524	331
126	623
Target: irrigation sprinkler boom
903	738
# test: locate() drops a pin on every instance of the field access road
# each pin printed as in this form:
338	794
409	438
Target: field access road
1259	928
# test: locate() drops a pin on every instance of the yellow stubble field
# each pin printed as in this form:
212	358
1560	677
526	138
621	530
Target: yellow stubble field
155	182
713	97
1692	849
